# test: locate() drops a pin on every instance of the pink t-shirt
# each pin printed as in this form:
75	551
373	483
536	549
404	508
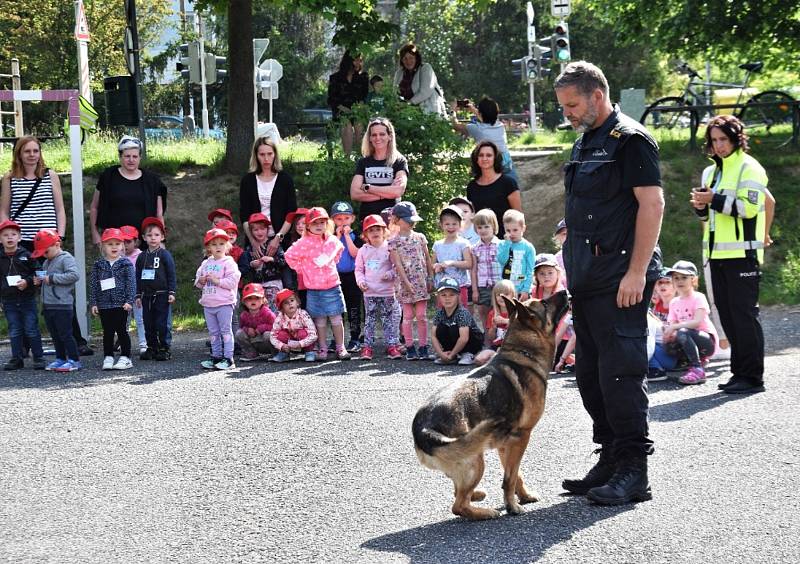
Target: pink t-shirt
682	310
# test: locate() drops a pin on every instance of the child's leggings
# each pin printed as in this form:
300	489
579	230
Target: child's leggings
115	322
694	344
420	311
219	322
386	310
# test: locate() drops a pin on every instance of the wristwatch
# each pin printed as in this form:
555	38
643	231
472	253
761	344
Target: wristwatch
280	236
365	187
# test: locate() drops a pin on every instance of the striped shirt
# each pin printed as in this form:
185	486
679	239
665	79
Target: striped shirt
40	213
488	269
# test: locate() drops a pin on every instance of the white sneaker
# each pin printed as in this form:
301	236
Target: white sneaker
466	359
142	348
722	354
108	363
123	363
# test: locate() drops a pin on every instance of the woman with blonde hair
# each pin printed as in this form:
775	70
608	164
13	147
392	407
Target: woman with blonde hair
382	173
267	189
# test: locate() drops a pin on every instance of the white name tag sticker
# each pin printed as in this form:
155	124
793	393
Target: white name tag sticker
13	280
148	274
41	273
108	284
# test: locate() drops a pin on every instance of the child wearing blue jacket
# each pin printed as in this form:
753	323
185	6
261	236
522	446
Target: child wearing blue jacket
113	291
516	255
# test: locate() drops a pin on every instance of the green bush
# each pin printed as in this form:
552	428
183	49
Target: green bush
437	168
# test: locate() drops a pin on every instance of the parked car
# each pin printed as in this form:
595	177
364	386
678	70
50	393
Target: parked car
172	127
314	121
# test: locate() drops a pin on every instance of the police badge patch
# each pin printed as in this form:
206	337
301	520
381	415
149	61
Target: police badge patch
752	196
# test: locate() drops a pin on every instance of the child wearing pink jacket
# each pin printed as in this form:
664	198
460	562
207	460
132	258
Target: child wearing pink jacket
314	257
375	275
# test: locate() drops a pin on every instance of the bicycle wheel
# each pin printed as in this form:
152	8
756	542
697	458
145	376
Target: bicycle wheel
679	118
779	112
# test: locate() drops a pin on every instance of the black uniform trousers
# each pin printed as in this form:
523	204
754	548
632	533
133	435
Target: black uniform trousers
736	284
155	311
353	301
611	370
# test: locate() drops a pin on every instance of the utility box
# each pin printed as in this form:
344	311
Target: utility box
631	102
120	97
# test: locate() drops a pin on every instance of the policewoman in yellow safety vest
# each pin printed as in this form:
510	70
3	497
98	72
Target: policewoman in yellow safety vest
731	204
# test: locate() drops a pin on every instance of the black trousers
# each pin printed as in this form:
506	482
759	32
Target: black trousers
611	370
736	286
354	301
447	335
155	311
59	324
115	322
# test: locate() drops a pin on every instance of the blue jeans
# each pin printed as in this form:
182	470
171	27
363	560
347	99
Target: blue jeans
23	320
661	360
59	323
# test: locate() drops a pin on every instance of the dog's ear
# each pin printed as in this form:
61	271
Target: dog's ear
511	306
556	305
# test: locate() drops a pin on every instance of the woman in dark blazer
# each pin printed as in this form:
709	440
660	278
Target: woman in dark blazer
268	190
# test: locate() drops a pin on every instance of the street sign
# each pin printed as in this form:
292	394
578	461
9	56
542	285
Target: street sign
269	91
259	46
81	24
128	48
559	8
531	34
274	68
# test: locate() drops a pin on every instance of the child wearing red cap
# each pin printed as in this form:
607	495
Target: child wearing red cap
293	329
294	281
375	276
258	265
113	292
255	324
218	277
218	215
314	257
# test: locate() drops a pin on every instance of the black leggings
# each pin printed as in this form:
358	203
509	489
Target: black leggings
694	345
447	335
115	322
353	301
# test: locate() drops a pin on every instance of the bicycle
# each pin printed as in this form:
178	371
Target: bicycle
779	111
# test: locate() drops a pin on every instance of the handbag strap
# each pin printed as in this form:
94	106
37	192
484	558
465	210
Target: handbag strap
27	200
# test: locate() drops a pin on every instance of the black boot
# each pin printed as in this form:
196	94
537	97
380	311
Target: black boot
629	483
599	474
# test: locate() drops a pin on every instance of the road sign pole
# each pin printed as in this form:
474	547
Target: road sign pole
82	38
259	47
531	42
16	84
203	75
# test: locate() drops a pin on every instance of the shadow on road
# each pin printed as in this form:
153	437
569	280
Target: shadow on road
509	539
685	408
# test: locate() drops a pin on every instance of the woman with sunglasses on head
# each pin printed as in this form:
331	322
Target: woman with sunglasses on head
382	173
126	194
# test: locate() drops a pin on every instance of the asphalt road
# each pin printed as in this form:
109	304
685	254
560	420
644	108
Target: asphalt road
314	463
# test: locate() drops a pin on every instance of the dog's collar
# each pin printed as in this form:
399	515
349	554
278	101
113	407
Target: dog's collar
523	352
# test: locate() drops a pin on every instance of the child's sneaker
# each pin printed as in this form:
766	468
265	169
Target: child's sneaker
210	363
353	346
162	355
342	354
225	364
393	352
411	353
423	353
108	363
322	355
439	360
695	375
69	366
38	363
310	356
281	356
656	375
148	354
248	357
366	353
123	363
14	364
55	365
466	359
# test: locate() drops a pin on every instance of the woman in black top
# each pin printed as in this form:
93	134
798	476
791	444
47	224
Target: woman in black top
268	190
490	188
126	194
348	86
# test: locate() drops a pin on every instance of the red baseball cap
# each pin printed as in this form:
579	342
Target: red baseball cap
153	221
228	225
10	224
372	221
315	214
282	296
112	233
44	239
253	289
129	232
258	217
220	211
215	233
291	216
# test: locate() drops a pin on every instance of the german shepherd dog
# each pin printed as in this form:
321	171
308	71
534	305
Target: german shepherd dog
496	406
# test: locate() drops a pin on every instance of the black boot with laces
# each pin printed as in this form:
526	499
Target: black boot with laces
628	484
599	474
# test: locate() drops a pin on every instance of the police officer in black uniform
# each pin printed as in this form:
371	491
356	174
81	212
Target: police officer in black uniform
614	206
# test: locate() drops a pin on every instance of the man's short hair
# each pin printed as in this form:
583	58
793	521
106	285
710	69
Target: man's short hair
584	76
513	216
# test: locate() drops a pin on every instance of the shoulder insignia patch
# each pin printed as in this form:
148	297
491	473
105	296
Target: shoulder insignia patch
615	133
752	196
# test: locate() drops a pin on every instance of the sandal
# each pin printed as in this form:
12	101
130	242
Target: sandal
694	375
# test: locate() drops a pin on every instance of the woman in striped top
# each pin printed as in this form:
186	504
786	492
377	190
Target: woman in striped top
45	208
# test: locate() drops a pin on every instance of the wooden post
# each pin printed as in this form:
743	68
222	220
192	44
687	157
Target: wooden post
16	84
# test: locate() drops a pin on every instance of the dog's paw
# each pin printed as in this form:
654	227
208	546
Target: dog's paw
529	497
478	495
514	509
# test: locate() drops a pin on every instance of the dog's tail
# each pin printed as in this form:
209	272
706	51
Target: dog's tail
436	444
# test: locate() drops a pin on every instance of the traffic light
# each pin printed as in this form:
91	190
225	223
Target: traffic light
532	68
213	71
189	65
545	56
519	69
560	43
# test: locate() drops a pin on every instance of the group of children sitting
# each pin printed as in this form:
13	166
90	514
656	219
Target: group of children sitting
289	298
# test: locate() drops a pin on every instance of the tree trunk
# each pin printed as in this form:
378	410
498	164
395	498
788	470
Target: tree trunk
240	86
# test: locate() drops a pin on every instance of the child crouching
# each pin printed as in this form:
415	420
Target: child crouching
255	324
293	329
456	335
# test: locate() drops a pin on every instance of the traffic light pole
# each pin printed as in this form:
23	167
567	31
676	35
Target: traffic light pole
137	72
531	94
203	75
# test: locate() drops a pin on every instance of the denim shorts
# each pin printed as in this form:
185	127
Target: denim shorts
324	303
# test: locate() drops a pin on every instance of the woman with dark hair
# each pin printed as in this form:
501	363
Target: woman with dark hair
731	202
487	128
125	193
267	189
416	82
382	173
490	188
348	86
